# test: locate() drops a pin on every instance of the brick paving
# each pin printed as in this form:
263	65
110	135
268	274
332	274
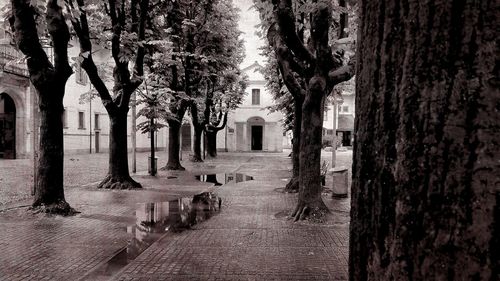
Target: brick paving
249	239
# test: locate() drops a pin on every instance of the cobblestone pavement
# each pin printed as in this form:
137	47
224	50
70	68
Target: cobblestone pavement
249	239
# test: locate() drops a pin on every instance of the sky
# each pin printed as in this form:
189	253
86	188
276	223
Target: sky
249	17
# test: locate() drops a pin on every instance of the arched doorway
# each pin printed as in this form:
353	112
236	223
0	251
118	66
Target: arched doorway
256	129
7	127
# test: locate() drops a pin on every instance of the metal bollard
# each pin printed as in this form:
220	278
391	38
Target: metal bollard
340	182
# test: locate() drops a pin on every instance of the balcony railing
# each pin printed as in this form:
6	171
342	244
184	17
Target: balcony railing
11	61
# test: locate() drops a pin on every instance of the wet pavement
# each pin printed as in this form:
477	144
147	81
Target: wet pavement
219	220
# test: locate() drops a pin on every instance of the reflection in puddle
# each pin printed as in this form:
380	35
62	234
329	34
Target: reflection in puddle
153	220
220	179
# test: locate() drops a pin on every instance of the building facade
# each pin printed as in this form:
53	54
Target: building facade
85	121
344	121
252	127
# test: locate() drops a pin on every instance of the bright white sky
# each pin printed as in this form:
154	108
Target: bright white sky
248	19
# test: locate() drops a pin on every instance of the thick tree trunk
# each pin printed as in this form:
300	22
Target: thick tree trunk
49	189
174	146
425	199
293	184
197	138
211	143
118	174
310	204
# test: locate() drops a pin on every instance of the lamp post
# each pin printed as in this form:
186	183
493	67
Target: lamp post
335	103
134	141
90	118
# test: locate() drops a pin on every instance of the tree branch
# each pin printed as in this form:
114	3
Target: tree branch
81	28
59	33
286	20
286	62
117	31
23	26
320	25
343	73
141	52
224	122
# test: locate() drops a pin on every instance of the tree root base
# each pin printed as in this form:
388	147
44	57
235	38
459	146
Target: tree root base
173	167
61	208
196	159
119	183
292	186
314	212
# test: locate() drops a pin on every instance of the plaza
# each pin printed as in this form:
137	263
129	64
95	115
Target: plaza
249	238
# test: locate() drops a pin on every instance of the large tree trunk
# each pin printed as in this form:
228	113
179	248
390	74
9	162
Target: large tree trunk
197	138
49	189
174	146
211	135
118	176
211	143
49	79
426	171
310	204
293	184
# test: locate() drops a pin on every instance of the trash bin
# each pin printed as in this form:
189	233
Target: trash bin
155	168
340	182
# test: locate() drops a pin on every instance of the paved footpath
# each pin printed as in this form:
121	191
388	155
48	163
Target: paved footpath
248	239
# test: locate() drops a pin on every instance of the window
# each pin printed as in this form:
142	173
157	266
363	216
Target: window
96	122
64	118
80	75
325	115
343	109
255	96
81	120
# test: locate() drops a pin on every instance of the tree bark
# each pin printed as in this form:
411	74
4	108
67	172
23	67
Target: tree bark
293	184
425	197
118	176
174	146
49	80
212	144
310	203
197	138
211	134
49	189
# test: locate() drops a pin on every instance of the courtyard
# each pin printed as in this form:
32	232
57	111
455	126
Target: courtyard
248	238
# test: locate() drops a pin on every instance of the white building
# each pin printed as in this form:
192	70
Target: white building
252	127
344	121
86	124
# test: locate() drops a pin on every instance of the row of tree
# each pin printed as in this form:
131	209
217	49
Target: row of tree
425	187
182	55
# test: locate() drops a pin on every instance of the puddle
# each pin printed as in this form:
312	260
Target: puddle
153	220
220	179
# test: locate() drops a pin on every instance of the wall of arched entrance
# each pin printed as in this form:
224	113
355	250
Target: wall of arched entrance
13	134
